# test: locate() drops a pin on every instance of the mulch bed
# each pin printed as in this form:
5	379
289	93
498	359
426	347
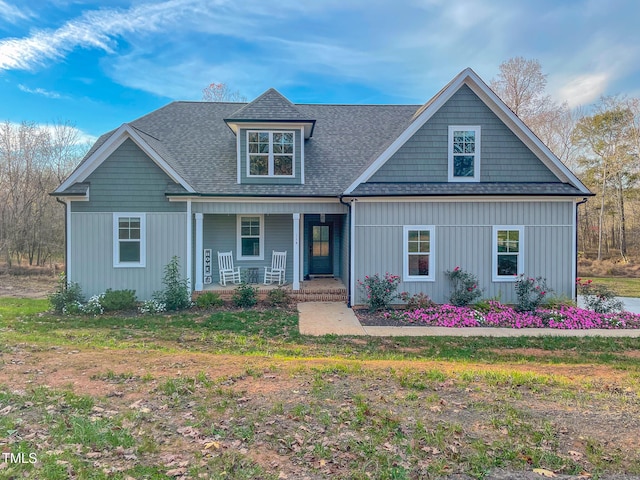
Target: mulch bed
378	319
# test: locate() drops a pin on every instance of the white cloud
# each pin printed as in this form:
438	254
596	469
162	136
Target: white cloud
12	14
39	91
583	89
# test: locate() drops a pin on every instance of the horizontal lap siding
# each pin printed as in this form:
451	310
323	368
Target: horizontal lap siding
128	181
504	158
92	253
463	237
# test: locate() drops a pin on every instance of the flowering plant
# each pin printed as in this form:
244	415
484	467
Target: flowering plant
465	287
530	292
380	291
598	297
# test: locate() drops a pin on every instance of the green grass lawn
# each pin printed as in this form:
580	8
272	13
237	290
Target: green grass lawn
624	287
242	395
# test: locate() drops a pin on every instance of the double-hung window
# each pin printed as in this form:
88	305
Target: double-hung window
129	239
418	249
270	154
464	154
250	237
508	260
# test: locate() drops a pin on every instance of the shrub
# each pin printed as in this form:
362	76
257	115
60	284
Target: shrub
555	302
417	300
209	299
465	287
380	291
278	297
530	292
67	296
152	306
115	300
175	295
599	298
245	295
93	306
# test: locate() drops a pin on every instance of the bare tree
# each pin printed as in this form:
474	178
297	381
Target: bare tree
33	161
521	85
220	92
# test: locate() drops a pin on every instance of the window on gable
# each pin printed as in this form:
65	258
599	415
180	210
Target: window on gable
464	154
418	251
129	239
250	237
270	154
507	252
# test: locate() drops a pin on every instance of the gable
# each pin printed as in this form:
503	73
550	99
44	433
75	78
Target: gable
128	180
423	157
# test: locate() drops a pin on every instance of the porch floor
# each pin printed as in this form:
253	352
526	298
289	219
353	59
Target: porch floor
314	290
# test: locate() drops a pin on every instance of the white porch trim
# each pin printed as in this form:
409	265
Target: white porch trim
296	251
199	251
189	259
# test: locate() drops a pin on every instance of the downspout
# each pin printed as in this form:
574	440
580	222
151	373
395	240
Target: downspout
340	197
66	260
575	285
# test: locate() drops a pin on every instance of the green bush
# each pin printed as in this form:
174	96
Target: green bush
599	298
530	292
278	297
209	299
118	300
67	297
245	295
176	294
416	301
465	287
380	291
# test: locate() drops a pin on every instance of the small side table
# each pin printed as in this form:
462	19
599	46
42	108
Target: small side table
253	275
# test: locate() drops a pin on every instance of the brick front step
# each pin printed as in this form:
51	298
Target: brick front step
303	295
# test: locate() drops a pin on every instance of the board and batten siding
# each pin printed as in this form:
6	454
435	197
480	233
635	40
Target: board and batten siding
92	253
504	157
128	181
463	237
220	235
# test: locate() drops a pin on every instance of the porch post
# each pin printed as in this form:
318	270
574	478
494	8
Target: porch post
199	217
296	251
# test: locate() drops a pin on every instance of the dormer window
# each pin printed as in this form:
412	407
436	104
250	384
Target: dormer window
270	154
464	154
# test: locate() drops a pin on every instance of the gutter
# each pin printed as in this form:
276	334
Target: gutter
575	285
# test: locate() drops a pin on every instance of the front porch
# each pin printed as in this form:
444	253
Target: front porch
313	290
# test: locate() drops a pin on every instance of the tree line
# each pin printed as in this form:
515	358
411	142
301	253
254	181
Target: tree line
34	160
601	146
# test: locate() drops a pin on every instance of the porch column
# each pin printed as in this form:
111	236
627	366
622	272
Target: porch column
296	251
199	217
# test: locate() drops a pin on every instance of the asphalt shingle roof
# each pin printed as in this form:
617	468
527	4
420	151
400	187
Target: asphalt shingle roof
271	105
466	188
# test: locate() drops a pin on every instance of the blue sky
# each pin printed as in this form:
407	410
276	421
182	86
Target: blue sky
99	64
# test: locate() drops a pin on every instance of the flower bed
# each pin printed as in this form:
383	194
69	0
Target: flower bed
498	315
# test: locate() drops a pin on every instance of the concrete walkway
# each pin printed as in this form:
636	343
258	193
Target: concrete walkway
335	318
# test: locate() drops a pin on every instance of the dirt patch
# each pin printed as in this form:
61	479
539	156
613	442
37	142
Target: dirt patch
27	286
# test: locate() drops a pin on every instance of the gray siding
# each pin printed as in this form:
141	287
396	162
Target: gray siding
220	235
463	237
128	181
297	159
92	253
267	207
344	250
504	158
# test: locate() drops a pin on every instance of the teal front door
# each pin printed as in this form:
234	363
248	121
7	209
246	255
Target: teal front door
320	249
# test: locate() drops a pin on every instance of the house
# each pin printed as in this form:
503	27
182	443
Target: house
346	190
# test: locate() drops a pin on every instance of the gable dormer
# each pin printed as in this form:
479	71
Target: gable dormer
270	135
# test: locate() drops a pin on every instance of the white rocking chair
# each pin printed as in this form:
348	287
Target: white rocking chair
277	270
227	272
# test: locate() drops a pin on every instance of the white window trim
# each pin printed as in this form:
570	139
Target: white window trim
239	255
476	155
270	161
494	253
405	254
116	240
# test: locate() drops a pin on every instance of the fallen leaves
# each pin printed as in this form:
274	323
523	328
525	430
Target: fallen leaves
544	472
